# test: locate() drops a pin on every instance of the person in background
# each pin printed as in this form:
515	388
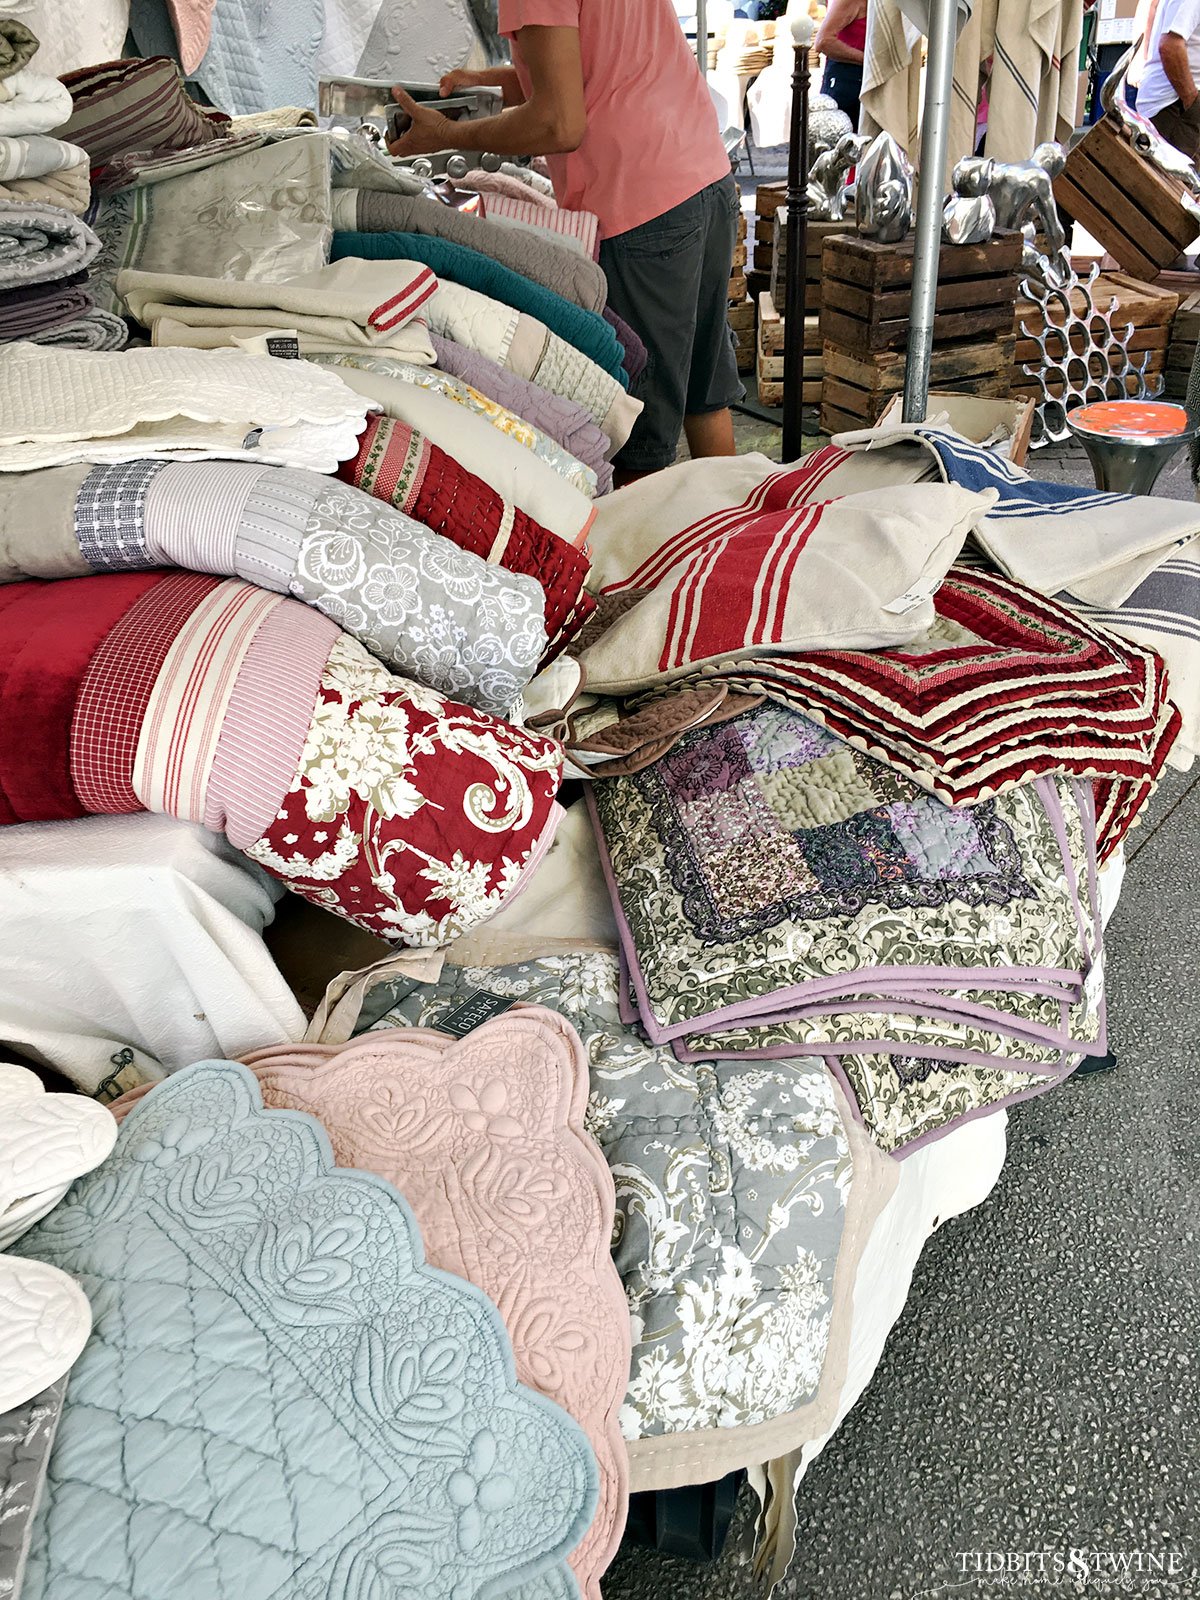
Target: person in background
610	93
1168	94
842	40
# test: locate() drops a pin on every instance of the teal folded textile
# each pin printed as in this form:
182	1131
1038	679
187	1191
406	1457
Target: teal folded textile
280	1400
585	330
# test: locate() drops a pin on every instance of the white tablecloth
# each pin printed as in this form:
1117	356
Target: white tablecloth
133	946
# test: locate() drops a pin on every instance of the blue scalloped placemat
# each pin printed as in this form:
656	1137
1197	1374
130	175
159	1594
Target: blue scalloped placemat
280	1399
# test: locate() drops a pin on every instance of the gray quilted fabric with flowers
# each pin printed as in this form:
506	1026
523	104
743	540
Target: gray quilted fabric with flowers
280	1401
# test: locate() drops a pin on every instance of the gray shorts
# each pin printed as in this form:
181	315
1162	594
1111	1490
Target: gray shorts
669	280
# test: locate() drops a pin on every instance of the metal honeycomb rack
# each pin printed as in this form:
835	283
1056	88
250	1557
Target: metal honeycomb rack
1083	354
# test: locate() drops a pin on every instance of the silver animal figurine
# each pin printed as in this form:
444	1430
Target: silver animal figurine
1022	192
827	123
968	219
827	177
1145	137
883	201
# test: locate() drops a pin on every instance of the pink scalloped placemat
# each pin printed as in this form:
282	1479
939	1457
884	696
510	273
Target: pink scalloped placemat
484	1138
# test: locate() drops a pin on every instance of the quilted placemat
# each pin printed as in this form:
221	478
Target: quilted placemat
280	1396
26	1435
484	1138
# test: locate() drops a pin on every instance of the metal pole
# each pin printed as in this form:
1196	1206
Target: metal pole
803	33
927	244
702	37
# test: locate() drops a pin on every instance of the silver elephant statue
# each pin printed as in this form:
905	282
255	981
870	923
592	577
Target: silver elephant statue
883	201
827	193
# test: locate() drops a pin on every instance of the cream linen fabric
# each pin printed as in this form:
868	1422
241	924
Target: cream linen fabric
331	309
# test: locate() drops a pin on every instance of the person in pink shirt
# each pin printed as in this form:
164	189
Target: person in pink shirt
611	94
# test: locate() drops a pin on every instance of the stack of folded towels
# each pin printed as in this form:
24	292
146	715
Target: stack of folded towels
45	247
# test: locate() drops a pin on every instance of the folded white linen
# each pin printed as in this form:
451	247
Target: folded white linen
60	405
32	102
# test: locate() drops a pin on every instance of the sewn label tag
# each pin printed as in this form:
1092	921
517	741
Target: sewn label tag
908	601
479	1007
284	345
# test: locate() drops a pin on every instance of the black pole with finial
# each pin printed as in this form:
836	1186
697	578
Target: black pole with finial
803	32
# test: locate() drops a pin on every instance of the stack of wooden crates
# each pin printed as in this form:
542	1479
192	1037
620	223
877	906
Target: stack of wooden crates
866	294
741	305
772	312
1181	353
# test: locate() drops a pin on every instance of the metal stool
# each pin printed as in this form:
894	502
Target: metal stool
1129	442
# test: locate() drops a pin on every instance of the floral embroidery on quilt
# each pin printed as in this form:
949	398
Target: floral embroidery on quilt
410	815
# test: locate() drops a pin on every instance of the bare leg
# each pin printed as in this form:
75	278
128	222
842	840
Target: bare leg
710	433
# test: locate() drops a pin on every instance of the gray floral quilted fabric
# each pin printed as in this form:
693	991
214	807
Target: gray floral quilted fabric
279	1400
732	1179
26	1435
419	603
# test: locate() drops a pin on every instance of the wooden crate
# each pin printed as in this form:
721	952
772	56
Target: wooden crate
818	232
856	386
975	417
742	324
1181	351
1125	202
770	356
866	294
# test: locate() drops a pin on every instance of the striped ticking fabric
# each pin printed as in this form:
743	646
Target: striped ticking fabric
134	105
116	689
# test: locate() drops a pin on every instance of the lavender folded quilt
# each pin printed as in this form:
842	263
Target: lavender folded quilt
214	701
570	423
440	614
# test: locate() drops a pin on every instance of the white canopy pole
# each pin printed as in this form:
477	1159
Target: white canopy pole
927	242
702	36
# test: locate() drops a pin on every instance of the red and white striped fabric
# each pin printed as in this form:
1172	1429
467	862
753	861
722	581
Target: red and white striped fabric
206	698
788	569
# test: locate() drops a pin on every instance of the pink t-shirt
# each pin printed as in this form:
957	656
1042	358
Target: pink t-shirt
652	139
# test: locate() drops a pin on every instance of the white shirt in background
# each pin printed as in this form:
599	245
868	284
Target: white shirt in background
1174	16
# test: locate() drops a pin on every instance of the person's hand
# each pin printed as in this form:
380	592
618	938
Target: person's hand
429	131
460	78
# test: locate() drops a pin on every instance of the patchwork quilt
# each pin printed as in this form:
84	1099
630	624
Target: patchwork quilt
215	701
280	1396
398	464
441	615
778	894
745	1195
